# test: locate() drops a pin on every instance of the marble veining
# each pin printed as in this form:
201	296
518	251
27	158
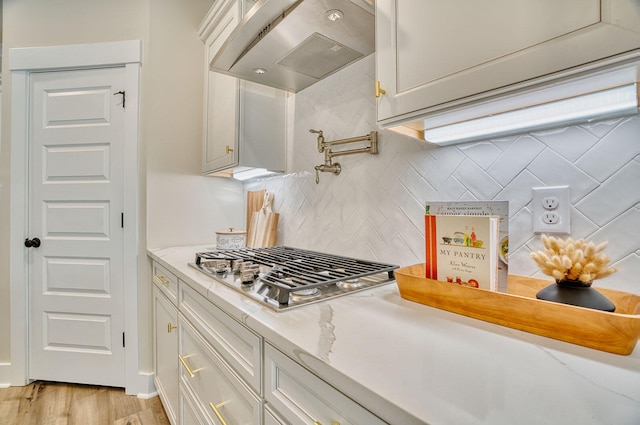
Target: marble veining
327	336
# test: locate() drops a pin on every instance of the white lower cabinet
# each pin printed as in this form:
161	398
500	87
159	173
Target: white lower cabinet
211	369
165	345
216	388
302	398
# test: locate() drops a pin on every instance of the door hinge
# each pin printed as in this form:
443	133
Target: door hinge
123	344
122	220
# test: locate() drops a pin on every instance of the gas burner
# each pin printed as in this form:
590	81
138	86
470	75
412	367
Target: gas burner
283	277
350	283
305	292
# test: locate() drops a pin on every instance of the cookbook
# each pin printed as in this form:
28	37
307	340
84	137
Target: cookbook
462	249
482	208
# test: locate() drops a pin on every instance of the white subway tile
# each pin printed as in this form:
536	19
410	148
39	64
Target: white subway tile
375	207
613	151
616	195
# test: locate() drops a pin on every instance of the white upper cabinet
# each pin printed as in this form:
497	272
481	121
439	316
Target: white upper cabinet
434	55
245	123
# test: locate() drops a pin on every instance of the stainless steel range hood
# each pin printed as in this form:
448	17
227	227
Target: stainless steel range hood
291	44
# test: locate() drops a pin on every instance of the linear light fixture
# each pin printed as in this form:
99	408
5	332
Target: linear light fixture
613	102
250	173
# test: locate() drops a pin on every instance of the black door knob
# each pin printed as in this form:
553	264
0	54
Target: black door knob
29	243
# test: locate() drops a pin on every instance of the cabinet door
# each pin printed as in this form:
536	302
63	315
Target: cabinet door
302	398
433	54
222	102
262	126
217	389
165	350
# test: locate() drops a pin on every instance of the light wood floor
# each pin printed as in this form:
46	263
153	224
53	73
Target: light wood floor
52	403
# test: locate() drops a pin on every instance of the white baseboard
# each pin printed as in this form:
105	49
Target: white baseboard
143	387
147	396
5	375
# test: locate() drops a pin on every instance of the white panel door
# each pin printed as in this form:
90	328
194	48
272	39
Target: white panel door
76	319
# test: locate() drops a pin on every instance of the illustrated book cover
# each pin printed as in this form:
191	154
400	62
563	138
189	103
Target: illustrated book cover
482	208
462	249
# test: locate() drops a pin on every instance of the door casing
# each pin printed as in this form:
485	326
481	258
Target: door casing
22	62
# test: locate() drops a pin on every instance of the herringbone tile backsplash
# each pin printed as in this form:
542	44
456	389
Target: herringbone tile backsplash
374	209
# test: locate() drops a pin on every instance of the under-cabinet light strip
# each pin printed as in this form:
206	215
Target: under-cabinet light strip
251	173
617	101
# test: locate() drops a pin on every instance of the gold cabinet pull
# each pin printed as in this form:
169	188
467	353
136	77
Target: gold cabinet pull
332	423
161	279
171	327
229	150
379	90
217	412
186	366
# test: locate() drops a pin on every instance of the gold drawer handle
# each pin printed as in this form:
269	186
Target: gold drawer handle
378	91
171	327
217	412
332	423
161	279
229	150
191	373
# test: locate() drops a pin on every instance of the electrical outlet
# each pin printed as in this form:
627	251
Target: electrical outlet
550	203
550	217
551	209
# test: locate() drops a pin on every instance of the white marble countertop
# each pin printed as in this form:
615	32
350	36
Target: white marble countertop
410	363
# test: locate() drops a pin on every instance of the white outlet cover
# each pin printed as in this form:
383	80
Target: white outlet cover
563	210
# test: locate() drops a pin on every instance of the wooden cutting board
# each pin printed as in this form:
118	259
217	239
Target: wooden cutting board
254	203
263	226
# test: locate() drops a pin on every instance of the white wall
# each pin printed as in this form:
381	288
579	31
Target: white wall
374	209
183	208
177	205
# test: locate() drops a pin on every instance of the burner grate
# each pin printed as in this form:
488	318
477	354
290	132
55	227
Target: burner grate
294	269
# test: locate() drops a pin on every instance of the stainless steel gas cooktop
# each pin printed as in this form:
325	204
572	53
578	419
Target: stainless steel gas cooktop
282	277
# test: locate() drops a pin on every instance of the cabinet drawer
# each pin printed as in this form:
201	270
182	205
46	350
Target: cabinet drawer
271	418
216	388
189	414
238	345
302	398
166	281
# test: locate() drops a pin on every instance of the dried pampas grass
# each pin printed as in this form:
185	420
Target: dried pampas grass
573	260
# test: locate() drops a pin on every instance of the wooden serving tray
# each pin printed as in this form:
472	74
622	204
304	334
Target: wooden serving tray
519	309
